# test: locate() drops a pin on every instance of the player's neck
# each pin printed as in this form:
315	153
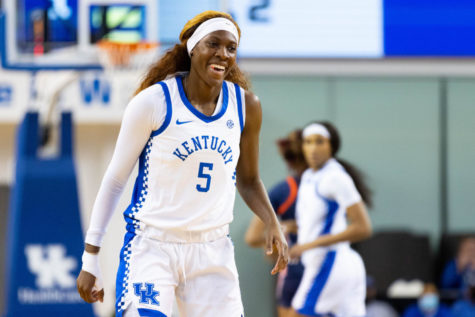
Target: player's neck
200	94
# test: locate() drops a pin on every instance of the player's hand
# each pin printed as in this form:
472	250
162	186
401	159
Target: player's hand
89	287
275	237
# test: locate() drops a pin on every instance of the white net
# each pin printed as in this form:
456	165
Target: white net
136	57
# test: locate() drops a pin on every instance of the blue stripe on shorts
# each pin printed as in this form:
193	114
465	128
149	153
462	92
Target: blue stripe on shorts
145	312
317	287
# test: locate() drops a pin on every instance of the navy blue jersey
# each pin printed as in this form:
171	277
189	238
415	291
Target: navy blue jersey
283	197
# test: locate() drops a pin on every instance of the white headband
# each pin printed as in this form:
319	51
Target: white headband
315	128
211	25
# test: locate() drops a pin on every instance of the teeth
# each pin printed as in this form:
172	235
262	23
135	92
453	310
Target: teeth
218	67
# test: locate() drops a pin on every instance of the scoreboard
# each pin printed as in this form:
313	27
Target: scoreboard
355	29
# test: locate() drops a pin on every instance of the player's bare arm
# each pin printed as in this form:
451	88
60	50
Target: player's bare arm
255	234
250	185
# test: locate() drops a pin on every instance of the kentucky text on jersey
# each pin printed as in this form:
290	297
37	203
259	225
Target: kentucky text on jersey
204	142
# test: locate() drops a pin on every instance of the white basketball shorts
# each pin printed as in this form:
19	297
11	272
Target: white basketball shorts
332	285
202	276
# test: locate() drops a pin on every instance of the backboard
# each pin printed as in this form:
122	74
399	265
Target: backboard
62	34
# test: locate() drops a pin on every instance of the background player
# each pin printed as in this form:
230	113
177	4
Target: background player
283	197
331	193
188	132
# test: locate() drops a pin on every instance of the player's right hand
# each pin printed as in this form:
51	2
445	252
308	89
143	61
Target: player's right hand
89	288
275	237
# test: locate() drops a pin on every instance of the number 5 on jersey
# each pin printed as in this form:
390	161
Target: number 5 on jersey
202	173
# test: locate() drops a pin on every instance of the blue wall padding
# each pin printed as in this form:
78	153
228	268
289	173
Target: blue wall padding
44	217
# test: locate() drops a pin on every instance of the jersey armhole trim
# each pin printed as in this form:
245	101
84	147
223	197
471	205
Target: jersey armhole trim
239	105
168	116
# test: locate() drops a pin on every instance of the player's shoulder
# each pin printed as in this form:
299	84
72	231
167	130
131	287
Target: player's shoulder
333	167
150	101
172	79
149	94
252	101
335	175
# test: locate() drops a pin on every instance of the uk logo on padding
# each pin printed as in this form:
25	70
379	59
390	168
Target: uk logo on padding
51	265
146	293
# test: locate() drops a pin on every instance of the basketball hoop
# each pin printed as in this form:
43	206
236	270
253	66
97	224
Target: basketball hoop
115	56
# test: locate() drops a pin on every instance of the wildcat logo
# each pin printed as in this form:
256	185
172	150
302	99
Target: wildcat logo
51	265
147	294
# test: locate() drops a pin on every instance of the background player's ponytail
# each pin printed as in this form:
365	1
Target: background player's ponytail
177	60
290	148
354	172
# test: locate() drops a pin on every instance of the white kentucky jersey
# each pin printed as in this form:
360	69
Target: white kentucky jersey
322	200
187	170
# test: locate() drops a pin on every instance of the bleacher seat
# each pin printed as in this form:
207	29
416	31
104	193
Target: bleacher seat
392	255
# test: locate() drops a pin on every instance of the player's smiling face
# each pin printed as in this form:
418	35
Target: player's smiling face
317	150
214	56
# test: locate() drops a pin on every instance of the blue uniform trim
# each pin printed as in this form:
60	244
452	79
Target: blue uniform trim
168	116
140	189
145	312
332	207
200	115
239	105
138	199
123	271
317	287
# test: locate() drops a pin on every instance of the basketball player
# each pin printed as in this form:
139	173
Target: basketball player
283	197
331	193
194	128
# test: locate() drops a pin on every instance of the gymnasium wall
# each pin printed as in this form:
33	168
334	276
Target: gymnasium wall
393	128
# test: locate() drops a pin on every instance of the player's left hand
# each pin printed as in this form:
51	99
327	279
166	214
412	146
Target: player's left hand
275	238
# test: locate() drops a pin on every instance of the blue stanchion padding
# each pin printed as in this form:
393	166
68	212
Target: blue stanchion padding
45	240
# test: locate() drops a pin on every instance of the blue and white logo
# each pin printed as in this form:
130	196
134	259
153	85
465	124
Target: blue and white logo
178	122
230	123
96	90
51	265
147	294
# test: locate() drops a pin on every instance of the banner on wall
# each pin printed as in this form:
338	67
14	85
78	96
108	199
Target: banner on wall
93	96
13	95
